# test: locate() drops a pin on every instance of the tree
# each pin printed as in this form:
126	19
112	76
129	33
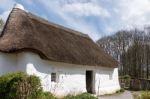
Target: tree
1	24
132	49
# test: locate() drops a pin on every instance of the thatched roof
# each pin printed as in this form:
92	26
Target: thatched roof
24	31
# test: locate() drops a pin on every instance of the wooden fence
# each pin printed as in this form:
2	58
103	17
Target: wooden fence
135	84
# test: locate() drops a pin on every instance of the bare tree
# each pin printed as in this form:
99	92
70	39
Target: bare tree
132	49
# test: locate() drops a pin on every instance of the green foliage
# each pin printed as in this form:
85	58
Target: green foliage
47	95
121	90
1	23
125	81
5	82
81	96
21	86
143	95
127	77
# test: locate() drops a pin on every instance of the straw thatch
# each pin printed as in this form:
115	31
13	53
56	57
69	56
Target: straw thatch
24	31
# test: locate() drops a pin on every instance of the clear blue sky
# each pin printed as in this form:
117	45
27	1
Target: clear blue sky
96	18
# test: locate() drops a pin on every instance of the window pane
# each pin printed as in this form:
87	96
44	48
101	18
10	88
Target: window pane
53	77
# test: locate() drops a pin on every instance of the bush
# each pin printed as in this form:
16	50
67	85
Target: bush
121	90
81	96
143	95
125	81
5	83
21	86
47	95
125	77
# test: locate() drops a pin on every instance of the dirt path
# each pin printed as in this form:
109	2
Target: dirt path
124	95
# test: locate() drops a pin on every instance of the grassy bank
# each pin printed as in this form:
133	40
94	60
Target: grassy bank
141	94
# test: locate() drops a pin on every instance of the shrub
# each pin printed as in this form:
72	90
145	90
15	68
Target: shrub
125	77
121	90
20	86
125	81
81	96
143	95
47	95
69	97
5	82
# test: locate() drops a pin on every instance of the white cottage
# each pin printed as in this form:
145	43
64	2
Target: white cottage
67	61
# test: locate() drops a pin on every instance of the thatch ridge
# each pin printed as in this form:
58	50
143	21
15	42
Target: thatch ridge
56	25
25	31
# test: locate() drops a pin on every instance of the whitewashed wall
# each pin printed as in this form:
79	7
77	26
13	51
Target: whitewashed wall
71	78
8	63
106	81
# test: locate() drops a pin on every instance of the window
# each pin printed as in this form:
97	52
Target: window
110	77
53	77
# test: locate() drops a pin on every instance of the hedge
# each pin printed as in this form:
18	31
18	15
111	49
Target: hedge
19	85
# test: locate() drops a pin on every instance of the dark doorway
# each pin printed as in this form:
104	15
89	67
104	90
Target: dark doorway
90	81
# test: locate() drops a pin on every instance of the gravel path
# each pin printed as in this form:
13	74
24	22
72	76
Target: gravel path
124	95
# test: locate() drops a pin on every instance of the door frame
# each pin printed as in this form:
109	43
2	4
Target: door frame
90	73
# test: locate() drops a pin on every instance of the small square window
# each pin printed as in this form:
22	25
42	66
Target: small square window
53	77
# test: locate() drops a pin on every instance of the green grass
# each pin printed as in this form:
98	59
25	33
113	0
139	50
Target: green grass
141	94
80	96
